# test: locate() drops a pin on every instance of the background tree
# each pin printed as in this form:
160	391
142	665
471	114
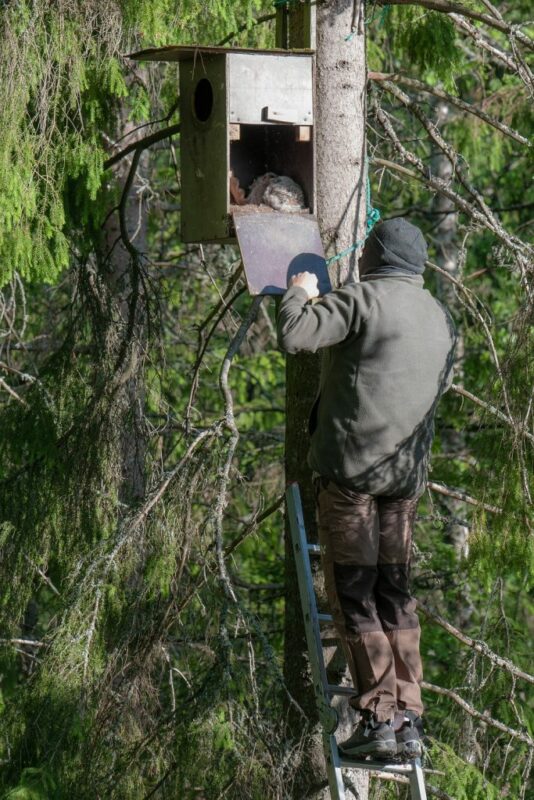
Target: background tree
142	405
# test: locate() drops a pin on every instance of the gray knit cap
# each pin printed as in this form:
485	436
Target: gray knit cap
394	244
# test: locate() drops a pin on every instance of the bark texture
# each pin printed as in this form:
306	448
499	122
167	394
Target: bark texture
340	165
121	267
341	175
340	130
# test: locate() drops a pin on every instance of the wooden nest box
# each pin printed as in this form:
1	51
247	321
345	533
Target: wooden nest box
244	113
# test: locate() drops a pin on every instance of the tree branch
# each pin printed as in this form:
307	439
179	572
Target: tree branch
522	69
142	144
224	475
203	574
12	392
449	98
24	642
125	236
454	159
244	27
492	410
478	646
485	718
471	306
459	495
446	7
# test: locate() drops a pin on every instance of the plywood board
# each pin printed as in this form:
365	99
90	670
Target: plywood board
270	88
204	154
274	246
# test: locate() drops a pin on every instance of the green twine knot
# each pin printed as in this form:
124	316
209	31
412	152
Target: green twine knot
373	214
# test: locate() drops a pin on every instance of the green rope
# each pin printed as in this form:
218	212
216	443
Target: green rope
385	11
373	215
383	15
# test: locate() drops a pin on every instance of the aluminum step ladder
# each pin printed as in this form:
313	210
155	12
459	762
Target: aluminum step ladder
335	760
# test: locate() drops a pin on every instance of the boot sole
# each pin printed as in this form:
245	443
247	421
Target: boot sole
372	748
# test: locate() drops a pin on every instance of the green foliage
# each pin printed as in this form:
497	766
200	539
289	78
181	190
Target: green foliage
61	81
462	781
149	668
428	41
35	784
54	77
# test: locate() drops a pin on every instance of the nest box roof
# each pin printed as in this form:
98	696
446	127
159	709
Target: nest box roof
183	52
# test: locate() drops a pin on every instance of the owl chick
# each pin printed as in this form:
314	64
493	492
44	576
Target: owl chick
277	191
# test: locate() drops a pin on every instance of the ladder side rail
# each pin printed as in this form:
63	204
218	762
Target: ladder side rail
327	714
417	781
307	594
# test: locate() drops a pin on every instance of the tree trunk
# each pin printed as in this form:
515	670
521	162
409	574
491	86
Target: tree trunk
340	176
340	130
454	442
120	269
444	235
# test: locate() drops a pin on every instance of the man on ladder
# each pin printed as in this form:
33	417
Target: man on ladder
387	359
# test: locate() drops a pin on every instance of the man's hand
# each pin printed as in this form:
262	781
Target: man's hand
308	282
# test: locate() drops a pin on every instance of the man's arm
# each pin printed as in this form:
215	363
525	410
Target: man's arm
304	327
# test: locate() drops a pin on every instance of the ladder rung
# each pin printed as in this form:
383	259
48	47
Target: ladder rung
314	549
324	617
375	766
333	688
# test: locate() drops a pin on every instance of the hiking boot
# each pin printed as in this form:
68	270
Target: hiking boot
409	732
370	738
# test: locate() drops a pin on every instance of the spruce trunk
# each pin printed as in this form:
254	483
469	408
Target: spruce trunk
121	268
340	177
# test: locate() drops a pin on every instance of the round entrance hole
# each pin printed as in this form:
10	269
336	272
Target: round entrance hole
203	100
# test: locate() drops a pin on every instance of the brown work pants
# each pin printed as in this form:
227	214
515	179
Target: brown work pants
365	549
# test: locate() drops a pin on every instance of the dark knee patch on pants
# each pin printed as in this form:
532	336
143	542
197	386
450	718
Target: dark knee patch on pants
394	602
355	587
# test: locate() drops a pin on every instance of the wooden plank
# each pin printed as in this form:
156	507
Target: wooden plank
275	245
303	133
204	153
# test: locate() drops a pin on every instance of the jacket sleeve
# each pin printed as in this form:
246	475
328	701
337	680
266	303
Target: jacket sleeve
302	326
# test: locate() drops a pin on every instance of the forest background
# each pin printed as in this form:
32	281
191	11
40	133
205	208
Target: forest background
142	451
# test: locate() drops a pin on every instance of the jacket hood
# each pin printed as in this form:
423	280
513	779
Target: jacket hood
394	246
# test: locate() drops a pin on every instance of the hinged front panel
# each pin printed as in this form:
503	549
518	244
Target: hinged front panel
274	246
259	85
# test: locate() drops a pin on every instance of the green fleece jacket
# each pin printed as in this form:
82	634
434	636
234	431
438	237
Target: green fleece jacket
387	359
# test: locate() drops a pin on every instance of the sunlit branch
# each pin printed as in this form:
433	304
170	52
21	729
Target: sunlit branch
485	718
449	98
478	646
456	8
